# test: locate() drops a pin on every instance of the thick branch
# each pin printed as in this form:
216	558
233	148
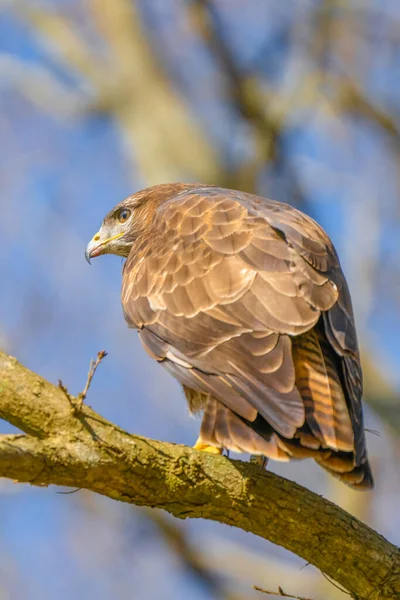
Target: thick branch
86	451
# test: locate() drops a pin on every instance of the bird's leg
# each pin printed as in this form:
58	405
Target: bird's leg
200	445
260	460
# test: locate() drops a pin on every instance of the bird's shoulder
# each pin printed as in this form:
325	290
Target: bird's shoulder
208	246
227	221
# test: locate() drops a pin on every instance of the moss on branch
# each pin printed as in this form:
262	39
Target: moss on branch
86	451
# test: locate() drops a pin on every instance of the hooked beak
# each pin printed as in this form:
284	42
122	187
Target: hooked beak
96	246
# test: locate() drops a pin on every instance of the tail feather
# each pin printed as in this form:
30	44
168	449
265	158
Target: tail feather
330	434
318	382
359	477
221	427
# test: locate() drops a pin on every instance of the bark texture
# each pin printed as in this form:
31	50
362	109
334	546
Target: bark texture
86	451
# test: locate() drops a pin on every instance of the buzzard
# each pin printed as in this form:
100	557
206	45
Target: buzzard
243	300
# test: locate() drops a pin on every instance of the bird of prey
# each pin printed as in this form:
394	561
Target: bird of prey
243	300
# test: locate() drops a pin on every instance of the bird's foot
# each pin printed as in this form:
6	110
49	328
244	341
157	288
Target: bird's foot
260	460
200	445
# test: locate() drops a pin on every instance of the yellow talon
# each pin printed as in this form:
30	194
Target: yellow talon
199	445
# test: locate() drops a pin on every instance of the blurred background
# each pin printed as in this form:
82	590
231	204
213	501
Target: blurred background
294	100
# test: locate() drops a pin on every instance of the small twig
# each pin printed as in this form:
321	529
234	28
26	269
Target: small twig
76	403
280	592
374	432
338	587
92	370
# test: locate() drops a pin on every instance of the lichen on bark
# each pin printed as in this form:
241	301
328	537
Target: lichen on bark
61	447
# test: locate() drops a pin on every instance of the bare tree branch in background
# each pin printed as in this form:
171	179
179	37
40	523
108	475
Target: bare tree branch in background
266	116
334	26
190	557
129	86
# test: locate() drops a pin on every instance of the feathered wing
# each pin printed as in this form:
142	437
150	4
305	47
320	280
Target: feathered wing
227	292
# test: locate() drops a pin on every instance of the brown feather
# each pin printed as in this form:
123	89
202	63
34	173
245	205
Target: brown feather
318	382
222	428
243	300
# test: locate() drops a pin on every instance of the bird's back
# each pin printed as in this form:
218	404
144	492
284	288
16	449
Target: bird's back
244	301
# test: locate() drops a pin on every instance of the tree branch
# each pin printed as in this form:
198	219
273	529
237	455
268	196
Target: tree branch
86	451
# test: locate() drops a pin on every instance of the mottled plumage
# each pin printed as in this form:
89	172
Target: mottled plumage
243	300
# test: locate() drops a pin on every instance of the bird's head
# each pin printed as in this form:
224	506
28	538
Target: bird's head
128	219
117	232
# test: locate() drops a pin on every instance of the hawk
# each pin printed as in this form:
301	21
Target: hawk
243	300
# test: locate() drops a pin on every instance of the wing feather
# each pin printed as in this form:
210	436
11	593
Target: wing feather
221	287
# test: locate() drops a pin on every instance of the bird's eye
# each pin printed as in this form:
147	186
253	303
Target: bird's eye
123	215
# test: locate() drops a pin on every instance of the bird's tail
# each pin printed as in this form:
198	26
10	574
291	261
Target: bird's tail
328	427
